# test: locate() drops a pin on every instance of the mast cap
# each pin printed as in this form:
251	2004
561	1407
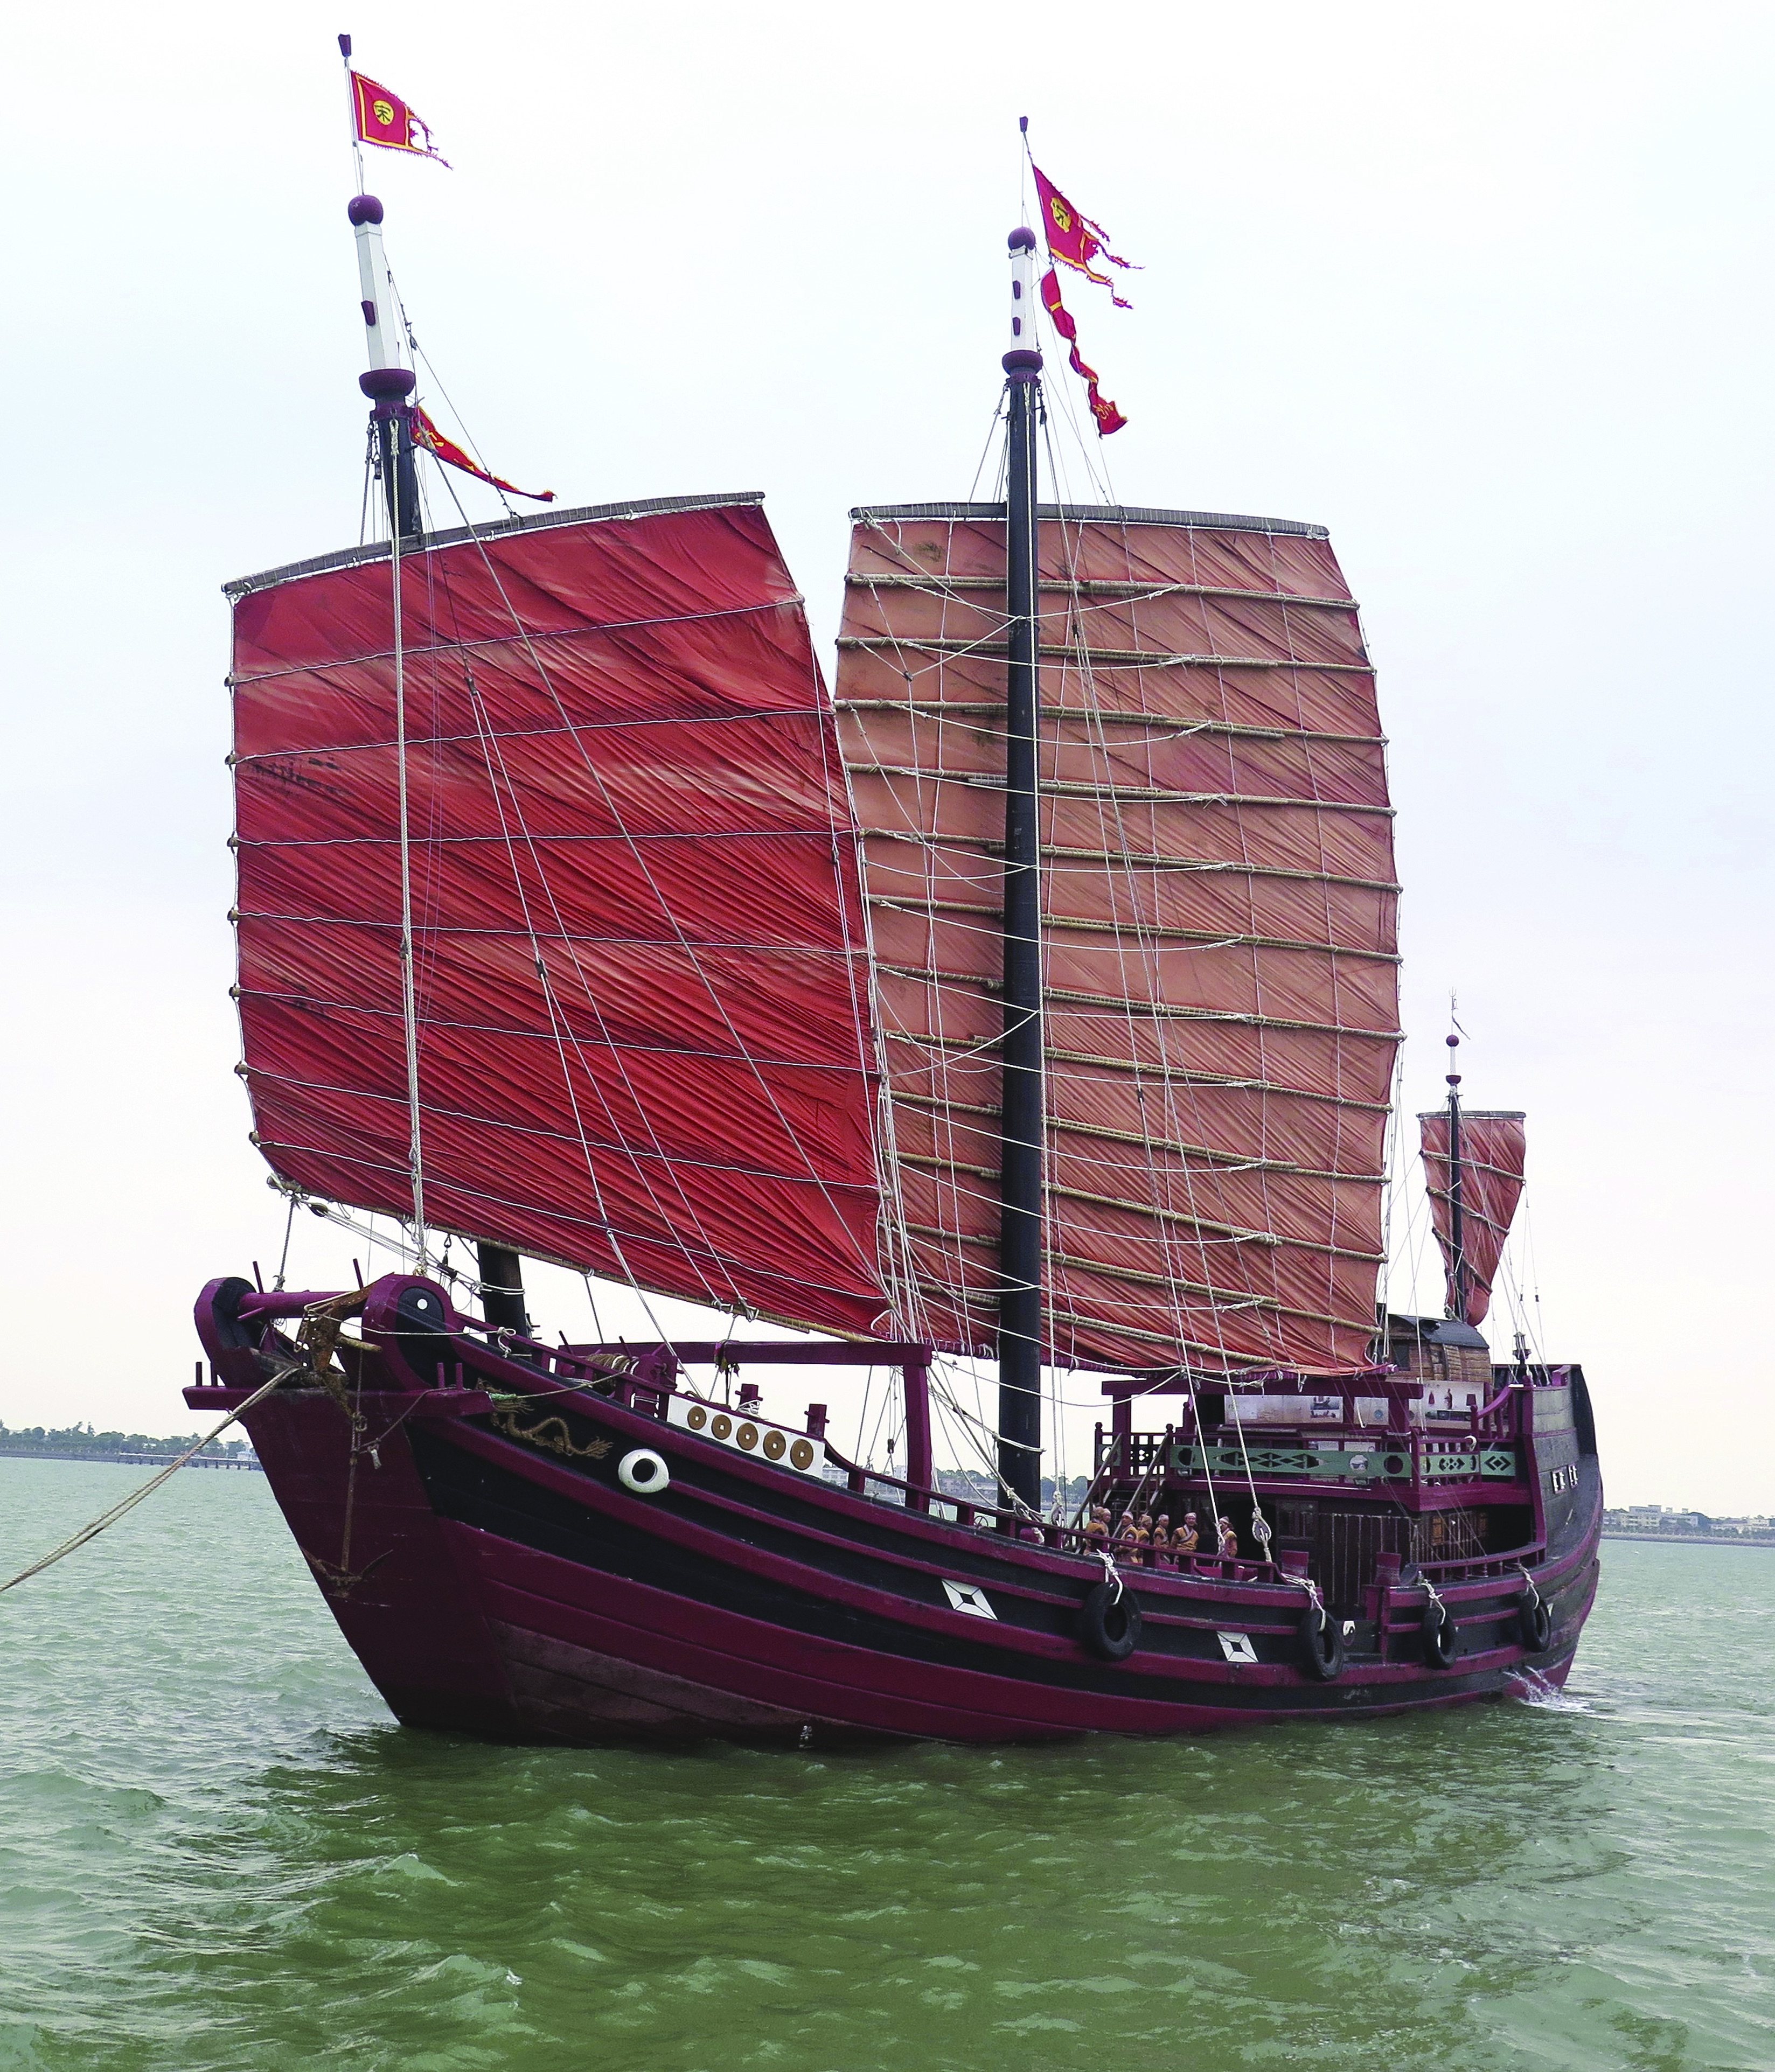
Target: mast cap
364	209
1022	239
386	381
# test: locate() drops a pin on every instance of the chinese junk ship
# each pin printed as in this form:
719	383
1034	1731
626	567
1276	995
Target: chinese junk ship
1034	999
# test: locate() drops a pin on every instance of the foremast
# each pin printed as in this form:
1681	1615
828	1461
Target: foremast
1021	1124
388	384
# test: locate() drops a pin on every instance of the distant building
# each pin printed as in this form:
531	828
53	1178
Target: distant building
1652	1520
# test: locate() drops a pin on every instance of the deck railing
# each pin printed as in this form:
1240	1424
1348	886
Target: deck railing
644	1379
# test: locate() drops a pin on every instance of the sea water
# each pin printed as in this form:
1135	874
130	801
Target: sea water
216	1850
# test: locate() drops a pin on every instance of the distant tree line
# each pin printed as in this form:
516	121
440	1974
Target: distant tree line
81	1439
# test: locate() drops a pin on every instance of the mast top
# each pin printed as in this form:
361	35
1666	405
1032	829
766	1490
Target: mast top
1023	362
1453	1078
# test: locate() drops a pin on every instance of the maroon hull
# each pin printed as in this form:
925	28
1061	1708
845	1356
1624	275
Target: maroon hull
512	1587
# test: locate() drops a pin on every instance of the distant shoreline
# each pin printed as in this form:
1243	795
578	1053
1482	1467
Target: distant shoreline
1693	1539
127	1459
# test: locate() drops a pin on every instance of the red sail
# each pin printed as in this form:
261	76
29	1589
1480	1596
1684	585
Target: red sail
1219	905
1492	1148
642	1045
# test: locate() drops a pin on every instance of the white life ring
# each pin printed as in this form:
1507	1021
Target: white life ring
643	1471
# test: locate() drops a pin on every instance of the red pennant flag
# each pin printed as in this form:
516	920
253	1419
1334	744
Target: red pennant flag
1073	239
426	435
385	118
1108	418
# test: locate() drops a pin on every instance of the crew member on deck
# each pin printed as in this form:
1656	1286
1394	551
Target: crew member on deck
1187	1538
1229	1538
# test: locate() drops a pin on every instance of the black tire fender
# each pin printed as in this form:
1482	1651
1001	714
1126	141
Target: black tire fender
220	1306
1108	1620
1441	1638
1321	1644
1534	1621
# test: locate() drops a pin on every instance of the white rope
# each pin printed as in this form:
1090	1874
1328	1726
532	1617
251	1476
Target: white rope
409	1016
560	1030
791	1135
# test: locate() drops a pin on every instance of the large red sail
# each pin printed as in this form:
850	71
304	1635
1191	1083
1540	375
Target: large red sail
1219	903
642	1048
1493	1148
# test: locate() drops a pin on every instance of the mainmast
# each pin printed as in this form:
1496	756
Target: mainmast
1021	1127
1457	1239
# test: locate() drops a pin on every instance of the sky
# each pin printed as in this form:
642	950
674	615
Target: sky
1485	291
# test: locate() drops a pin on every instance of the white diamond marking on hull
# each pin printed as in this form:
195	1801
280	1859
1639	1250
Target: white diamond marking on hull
968	1598
1237	1646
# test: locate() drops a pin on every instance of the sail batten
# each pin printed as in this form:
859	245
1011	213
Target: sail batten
1220	990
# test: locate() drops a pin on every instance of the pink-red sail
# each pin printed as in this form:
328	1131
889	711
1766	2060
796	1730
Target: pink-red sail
642	1046
1492	1149
1220	943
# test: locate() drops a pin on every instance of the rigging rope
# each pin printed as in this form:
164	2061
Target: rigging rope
409	1016
89	1532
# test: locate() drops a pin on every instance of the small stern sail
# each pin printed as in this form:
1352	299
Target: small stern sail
1493	1151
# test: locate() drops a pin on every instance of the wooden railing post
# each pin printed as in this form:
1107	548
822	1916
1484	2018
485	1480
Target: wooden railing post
916	1380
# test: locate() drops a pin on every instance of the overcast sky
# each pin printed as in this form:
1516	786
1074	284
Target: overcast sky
1486	291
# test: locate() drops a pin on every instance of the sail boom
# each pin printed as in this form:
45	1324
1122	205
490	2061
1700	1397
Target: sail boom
1098	715
1161	1010
1145	794
1146	859
1102	658
538	521
1056	587
1108	517
1198	939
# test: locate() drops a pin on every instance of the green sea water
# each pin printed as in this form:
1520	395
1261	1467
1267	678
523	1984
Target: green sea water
217	1851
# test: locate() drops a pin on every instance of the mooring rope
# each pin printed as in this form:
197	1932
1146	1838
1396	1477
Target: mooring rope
129	1503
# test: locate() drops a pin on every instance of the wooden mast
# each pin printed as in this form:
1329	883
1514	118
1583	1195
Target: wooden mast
388	384
1457	1234
1020	1107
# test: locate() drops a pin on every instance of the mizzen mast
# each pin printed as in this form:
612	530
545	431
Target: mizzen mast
1457	1206
1021	1127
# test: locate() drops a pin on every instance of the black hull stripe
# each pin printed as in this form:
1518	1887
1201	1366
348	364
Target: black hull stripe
492	1499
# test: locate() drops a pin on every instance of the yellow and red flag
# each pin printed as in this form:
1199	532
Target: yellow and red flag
383	117
1073	239
1108	418
427	436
